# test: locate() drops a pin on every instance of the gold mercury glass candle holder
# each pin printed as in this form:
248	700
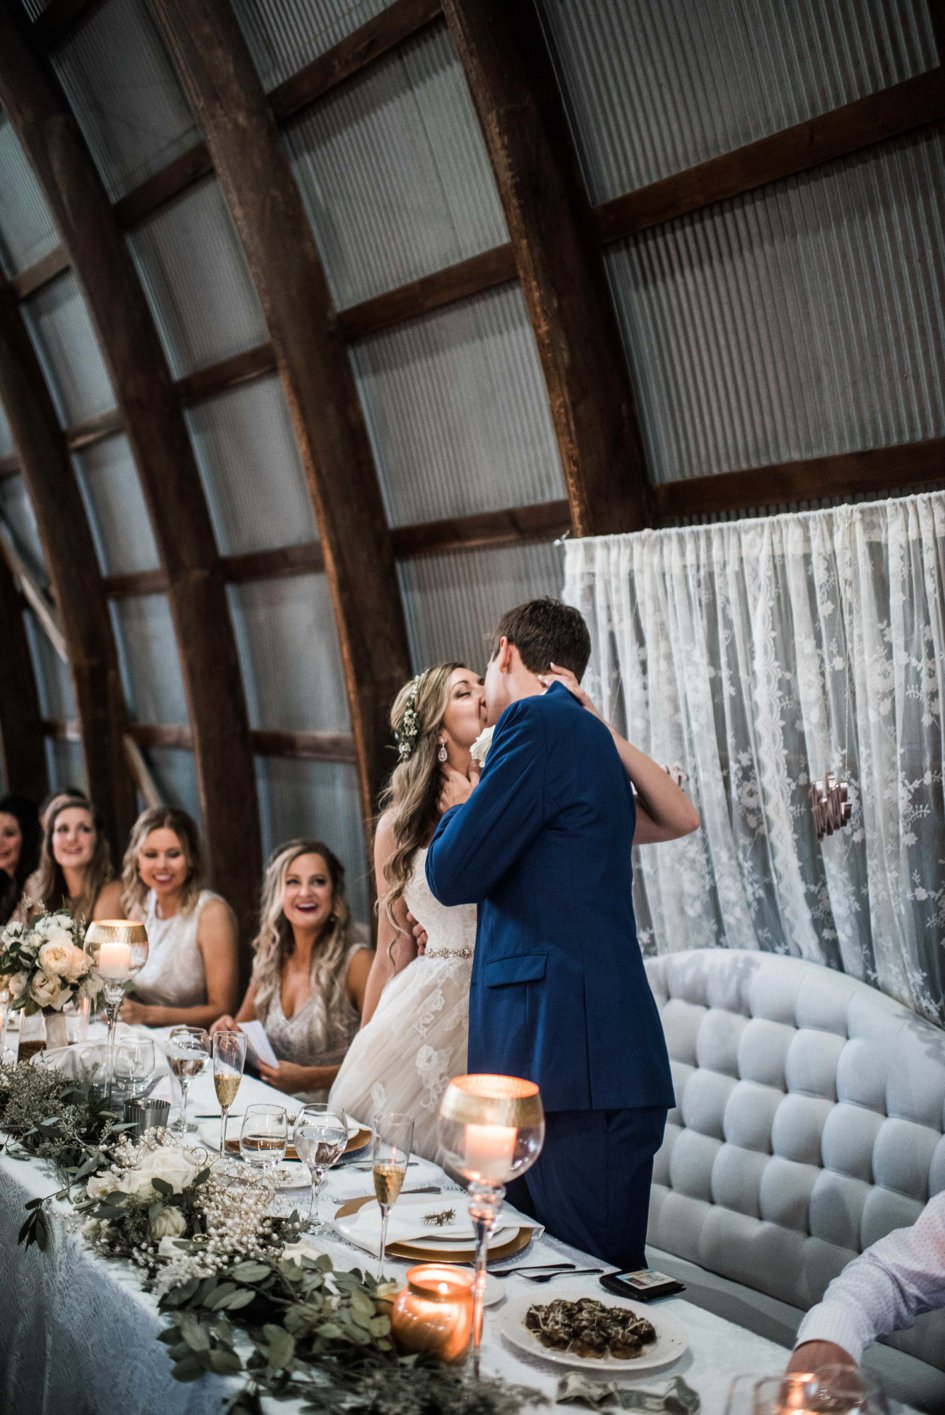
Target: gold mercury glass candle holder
433	1314
117	950
491	1129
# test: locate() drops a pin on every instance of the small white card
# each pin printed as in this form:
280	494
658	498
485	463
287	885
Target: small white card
258	1043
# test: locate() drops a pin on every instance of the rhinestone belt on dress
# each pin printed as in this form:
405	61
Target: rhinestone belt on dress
448	953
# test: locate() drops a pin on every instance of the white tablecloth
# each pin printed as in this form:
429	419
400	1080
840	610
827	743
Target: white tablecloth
78	1334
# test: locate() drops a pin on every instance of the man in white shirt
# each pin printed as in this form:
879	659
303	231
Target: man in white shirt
881	1291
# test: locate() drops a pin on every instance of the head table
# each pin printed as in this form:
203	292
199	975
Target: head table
79	1334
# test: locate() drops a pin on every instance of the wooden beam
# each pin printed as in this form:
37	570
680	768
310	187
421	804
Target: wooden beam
430	292
41	273
845	474
559	260
305	559
254	174
161	187
94	429
60	18
21	738
135	582
33	593
863	123
154	424
397	23
297	746
9	465
81	624
207	382
545	521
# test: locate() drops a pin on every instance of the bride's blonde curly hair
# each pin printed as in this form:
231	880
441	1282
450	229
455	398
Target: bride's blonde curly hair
413	792
275	942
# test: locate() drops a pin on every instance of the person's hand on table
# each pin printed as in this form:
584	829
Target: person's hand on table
813	1356
419	933
225	1024
134	1013
287	1076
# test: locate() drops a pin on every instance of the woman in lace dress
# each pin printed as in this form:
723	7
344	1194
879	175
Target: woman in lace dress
310	973
415	1018
192	972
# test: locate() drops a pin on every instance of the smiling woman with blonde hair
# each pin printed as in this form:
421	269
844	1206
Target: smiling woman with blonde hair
307	987
75	866
192	972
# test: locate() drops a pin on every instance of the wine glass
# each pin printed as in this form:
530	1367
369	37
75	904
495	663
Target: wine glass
229	1058
264	1135
832	1388
188	1054
390	1153
134	1065
320	1138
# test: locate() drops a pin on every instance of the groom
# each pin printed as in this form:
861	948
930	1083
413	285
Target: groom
559	993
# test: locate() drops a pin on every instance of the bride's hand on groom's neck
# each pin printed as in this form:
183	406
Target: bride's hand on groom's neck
457	788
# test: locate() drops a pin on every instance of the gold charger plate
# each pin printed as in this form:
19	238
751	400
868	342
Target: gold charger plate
447	1255
358	1140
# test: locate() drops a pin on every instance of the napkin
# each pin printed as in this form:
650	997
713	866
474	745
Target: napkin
406	1223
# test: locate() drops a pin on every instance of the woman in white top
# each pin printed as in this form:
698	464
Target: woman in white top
192	972
309	976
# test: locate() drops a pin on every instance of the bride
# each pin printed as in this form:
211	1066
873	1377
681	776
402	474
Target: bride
413	1038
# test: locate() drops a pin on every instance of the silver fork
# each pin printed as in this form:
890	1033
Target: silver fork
546	1277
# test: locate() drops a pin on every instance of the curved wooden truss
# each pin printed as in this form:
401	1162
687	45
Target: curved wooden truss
21	735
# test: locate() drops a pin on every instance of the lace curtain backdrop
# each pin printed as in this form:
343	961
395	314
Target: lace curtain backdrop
757	655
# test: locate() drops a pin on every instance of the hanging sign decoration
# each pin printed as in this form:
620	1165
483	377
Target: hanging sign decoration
830	802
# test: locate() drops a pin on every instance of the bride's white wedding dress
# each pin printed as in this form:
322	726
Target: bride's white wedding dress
416	1041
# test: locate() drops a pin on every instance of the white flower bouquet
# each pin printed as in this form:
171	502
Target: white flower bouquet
44	965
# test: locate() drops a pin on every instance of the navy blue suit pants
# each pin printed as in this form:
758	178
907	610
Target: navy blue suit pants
591	1184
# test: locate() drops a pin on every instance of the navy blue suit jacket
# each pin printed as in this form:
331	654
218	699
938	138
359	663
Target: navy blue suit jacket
559	993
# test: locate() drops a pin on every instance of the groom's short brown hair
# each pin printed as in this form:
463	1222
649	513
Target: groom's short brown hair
545	631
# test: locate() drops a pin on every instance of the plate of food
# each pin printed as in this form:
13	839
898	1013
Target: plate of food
602	1333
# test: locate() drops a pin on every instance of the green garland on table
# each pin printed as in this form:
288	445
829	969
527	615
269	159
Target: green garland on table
238	1302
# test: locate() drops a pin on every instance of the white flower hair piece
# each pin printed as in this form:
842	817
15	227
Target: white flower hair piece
480	748
409	730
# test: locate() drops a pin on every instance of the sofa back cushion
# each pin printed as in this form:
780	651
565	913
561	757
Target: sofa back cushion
809	1120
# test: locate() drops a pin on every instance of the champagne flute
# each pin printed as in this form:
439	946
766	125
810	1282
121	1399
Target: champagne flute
229	1058
320	1137
390	1154
264	1135
188	1054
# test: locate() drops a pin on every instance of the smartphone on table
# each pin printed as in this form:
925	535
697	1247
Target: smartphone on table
644	1284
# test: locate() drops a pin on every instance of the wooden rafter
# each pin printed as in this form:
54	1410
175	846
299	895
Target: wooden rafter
254	174
21	738
82	618
558	258
154	424
298	746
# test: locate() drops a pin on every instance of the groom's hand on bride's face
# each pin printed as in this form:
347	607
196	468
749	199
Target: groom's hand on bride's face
456	788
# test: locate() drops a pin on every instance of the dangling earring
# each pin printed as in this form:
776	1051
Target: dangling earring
442	754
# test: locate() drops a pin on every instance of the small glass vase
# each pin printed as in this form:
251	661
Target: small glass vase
57	1031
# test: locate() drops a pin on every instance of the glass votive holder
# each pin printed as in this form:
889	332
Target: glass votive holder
433	1314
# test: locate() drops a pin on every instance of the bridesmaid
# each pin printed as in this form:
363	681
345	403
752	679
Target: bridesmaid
75	867
20	838
192	972
309	976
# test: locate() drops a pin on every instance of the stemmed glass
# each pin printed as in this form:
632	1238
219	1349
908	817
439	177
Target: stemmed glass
229	1058
491	1129
188	1054
264	1135
117	950
320	1138
831	1388
390	1154
134	1065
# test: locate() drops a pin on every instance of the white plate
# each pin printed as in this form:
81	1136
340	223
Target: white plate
671	1340
209	1133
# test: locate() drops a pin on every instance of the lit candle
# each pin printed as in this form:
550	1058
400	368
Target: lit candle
114	960
433	1313
490	1150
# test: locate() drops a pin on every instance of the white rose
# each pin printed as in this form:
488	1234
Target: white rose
168	1223
47	991
101	1184
51	924
19	982
55	956
78	965
167	1163
480	747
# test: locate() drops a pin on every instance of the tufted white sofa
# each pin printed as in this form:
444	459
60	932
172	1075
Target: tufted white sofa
809	1122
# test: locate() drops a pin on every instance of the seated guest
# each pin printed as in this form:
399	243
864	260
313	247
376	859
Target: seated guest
310	972
881	1291
75	867
192	972
53	799
19	849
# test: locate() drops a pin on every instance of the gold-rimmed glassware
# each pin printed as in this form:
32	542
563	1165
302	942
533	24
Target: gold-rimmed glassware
229	1058
390	1155
491	1129
117	950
